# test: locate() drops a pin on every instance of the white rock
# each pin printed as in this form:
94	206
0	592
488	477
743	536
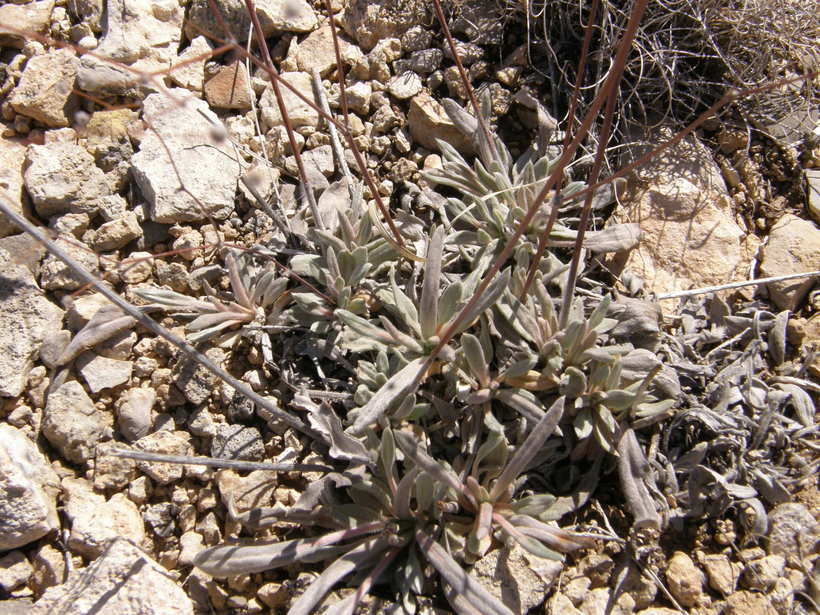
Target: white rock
134	414
123	581
317	52
319	159
299	112
12	157
358	97
137	268
404	86
62	177
26	19
721	573
167	443
274	15
141	34
517	578
793	531
685	580
102	373
429	121
28	491
596	602
763	573
15	570
813	190
94	521
191	544
793	247
25	318
117	233
369	22
690	237
191	72
45	92
72	423
208	167
49	569
230	88
55	274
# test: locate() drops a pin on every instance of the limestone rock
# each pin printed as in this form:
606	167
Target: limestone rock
746	603
517	578
256	490
15	570
196	382
358	97
49	569
793	531
95	520
238	442
317	52
274	15
793	247
45	89
55	274
721	573
25	318
137	269
300	113
73	424
813	190
596	602
62	177
404	86
102	373
190	73
12	156
134	414
369	21
166	443
685	580
690	238
141	34
28	491
763	573
26	19
229	88
204	163
117	233
116	584
428	121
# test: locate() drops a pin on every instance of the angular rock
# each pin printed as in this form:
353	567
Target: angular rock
45	89
190	73
117	233
95	520
140	34
72	423
517	578
28	491
316	52
55	274
763	573
813	190
256	490
229	88
26	19
316	161
690	237
720	572
685	580
137	269
12	157
274	15
102	373
116	584
15	570
134	415
204	163
238	442
404	86
25	318
369	21
300	113
166	443
746	603
358	97
49	569
196	382
597	602
793	532
429	121
62	177
793	247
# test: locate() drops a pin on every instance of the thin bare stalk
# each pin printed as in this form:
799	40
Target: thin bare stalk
211	462
465	79
338	152
713	289
150	324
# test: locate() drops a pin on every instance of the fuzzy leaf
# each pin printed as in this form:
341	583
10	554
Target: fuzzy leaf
414	451
107	322
428	306
389	396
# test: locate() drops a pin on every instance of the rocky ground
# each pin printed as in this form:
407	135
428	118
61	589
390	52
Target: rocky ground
84	151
